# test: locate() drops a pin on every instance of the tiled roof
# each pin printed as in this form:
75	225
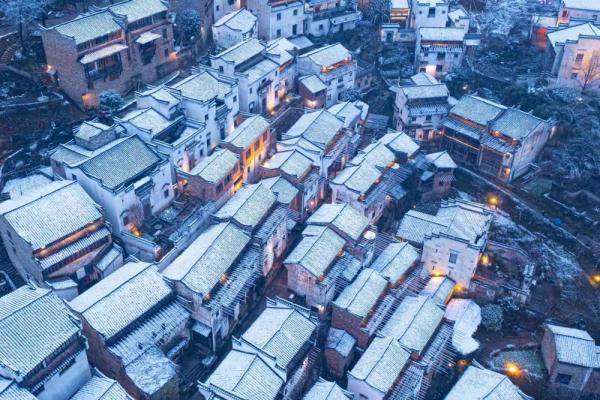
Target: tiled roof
247	132
100	387
340	341
121	163
318	127
241	20
317	250
247	376
19	186
424	91
441	160
376	154
342	216
328	55
395	260
324	390
90	129
89	26
313	83
400	142
217	166
516	124
292	162
480	383
135	10
204	86
248	206
151	371
147	119
281	331
358	178
284	189
573	33
9	390
575	346
477	109
122	298
582	4
204	262
439	288
381	364
442	34
76	211
361	295
242	52
466	315
414	322
34	323
349	111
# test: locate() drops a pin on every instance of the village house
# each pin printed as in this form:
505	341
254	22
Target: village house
215	178
125	176
323	18
573	57
477	383
334	66
218	9
233	28
312	91
498	141
396	261
120	47
403	146
420	107
261	89
312	267
436	174
397	29
277	350
250	141
353	113
136	328
571	359
284	53
354	306
325	390
463	314
99	387
42	348
428	13
452	240
570	13
70	250
372	180
378	368
439	50
339	351
278	18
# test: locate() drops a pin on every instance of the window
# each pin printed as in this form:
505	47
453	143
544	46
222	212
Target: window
438	68
428	118
250	90
574	75
579	58
431	12
206	117
218	8
453	257
165	33
320	27
278	33
278	16
295	12
441	56
166	193
125	219
220	68
565	13
234	99
294	29
166	52
563	379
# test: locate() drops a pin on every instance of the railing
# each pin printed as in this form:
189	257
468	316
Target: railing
114	71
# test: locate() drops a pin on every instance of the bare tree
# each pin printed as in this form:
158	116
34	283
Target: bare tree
22	12
591	72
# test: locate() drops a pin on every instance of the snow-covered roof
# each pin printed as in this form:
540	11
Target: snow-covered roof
325	390
19	186
151	371
281	331
381	364
516	124
90	129
99	387
217	166
423	92
246	376
147	119
457	14
318	127
121	298
582	4
248	206
34	324
395	260
342	217
292	162
441	160
442	34
260	70
466	315
423	78
317	250
358	178
414	322
247	132
340	341
9	390
480	383
301	42
241	20
349	111
160	94
328	55
207	258
399	4
242	51
284	189
135	10
360	296
439	288
63	206
376	154
312	83
477	109
459	219
400	142
575	346
280	49
204	86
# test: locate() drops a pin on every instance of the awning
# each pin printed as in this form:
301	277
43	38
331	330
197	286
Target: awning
147	37
104	52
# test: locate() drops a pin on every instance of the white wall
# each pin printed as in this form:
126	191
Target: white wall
63	386
436	259
361	388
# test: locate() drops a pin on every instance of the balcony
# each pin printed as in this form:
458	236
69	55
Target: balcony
146	55
111	72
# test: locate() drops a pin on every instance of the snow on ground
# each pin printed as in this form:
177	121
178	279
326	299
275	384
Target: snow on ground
498	17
